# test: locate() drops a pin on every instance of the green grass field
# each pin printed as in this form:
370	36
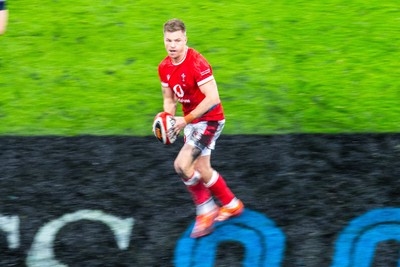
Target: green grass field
90	67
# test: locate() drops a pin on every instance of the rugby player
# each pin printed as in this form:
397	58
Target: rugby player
186	77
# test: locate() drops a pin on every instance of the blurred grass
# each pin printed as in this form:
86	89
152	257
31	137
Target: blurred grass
281	66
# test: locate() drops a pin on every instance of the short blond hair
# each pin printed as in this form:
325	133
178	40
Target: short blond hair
174	25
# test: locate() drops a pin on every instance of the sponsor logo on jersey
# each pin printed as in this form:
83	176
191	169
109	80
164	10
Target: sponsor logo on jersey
181	100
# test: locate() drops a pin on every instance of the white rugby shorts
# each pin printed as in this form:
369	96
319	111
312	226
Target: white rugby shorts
203	135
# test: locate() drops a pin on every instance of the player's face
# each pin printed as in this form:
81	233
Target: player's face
175	44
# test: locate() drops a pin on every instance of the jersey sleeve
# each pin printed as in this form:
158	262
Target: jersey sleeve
162	75
202	70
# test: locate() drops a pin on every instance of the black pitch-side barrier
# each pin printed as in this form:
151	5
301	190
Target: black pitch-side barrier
311	200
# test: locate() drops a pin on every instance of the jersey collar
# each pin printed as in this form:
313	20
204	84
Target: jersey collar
183	59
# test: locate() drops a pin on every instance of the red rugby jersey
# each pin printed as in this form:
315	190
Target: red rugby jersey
185	78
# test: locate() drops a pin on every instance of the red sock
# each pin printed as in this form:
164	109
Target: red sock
197	189
219	188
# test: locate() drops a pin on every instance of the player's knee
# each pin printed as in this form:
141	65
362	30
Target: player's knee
205	171
181	170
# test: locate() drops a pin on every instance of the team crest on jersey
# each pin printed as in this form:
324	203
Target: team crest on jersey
168	76
183	77
196	135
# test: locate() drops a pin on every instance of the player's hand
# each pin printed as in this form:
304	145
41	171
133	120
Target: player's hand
180	123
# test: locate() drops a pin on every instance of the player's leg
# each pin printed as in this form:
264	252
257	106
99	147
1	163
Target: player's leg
231	206
206	209
185	167
206	140
184	162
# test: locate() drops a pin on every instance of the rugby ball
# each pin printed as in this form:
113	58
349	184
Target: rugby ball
163	122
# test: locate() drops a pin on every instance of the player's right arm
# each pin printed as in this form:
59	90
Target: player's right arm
169	100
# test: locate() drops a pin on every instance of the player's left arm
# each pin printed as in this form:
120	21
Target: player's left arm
210	90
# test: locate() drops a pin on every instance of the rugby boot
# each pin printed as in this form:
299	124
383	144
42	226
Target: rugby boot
204	224
225	213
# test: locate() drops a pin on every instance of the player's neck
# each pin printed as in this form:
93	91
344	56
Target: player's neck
179	60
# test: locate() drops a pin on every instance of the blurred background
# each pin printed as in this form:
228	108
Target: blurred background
90	67
311	92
